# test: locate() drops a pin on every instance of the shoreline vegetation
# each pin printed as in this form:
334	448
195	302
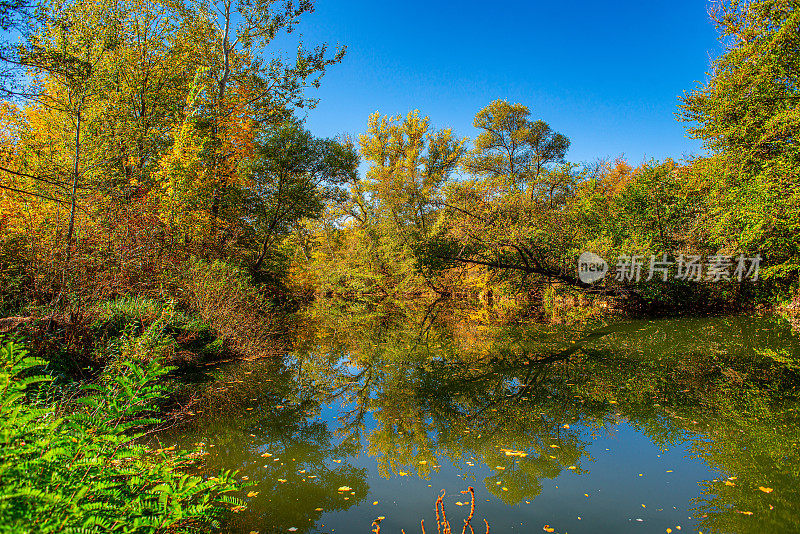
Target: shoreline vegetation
162	207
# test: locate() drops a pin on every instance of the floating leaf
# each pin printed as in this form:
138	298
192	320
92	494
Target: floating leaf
765	490
345	488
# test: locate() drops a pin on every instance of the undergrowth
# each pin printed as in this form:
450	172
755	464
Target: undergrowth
77	464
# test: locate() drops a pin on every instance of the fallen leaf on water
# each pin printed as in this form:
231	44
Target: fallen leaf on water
423	462
402	473
281	480
744	513
381	517
317	509
548	528
292	529
375	503
266	455
459	503
765	490
729	483
345	488
252	494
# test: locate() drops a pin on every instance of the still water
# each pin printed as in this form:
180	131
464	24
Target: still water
635	426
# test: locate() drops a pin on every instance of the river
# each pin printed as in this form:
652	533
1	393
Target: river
667	425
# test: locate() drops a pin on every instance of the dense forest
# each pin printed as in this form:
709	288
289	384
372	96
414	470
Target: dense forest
161	204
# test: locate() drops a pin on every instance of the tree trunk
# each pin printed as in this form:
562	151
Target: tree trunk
71	229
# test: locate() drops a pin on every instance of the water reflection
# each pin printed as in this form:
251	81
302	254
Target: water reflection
430	397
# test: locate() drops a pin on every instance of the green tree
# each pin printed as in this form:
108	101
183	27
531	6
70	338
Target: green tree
293	175
748	114
513	149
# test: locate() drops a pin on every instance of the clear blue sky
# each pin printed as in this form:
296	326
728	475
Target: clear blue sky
606	74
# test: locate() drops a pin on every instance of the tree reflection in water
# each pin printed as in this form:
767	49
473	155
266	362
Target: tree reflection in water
420	388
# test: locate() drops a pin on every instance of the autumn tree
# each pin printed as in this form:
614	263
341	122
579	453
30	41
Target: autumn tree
513	150
409	164
248	82
748	115
64	55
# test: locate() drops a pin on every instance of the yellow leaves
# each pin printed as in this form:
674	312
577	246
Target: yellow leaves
252	493
345	488
548	528
765	490
510	452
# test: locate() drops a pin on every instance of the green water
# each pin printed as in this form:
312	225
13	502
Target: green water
637	426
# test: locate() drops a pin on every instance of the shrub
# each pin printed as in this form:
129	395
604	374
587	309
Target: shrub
223	297
83	467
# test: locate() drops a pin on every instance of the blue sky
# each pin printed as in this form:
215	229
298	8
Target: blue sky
606	74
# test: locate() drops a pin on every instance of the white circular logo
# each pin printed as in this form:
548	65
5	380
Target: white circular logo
591	268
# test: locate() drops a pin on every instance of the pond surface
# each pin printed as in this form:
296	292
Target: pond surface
636	426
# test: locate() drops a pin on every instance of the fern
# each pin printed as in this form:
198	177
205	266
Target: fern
85	472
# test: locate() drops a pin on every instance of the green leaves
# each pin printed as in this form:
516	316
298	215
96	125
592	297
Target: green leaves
749	115
86	472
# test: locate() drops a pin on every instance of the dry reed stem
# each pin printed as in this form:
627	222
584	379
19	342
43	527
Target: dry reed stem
442	524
